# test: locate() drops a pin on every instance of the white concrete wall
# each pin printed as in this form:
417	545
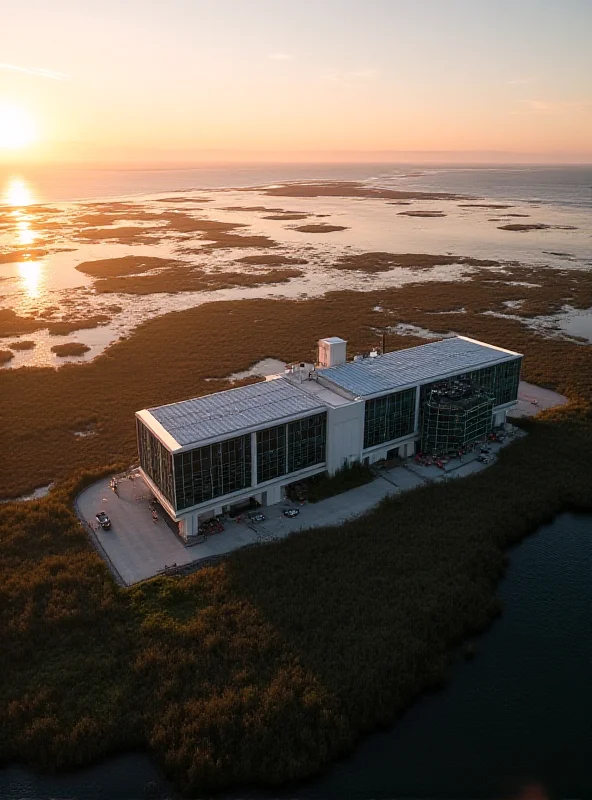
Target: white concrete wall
345	435
499	418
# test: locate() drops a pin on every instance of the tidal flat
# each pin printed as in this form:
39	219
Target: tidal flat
95	271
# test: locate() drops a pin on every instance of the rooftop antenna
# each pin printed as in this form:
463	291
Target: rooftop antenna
382	334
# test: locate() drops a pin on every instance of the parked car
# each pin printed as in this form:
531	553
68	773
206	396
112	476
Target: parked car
103	520
256	516
291	512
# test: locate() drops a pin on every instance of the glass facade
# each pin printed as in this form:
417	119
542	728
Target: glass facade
450	423
271	453
500	380
389	417
212	471
155	460
307	439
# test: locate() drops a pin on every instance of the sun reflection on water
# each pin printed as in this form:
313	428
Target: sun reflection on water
31	274
18	192
23	230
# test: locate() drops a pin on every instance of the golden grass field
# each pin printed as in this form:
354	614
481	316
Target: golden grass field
263	668
220	338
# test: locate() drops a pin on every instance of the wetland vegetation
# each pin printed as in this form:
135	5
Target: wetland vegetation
265	666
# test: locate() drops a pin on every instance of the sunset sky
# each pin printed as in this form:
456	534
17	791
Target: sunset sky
184	81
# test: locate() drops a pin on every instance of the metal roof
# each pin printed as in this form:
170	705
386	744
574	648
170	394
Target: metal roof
413	366
222	414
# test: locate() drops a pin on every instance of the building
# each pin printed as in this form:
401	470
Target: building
201	457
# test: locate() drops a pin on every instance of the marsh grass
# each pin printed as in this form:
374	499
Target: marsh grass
126	265
22	254
13	324
372	262
266	666
218	339
271	260
70	349
64	327
185	279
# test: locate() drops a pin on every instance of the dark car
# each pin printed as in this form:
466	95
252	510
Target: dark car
256	517
103	520
291	512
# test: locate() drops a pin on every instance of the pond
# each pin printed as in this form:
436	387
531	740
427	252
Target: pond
515	717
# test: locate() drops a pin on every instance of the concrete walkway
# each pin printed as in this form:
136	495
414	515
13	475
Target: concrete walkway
532	399
137	547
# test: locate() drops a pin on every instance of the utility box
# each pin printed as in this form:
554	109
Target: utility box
332	351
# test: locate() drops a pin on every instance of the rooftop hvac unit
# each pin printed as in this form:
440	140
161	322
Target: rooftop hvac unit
332	351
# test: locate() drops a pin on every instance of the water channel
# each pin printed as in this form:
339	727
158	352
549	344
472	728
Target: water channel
514	721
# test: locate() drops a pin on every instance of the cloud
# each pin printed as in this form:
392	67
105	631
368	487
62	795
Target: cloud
38	71
280	57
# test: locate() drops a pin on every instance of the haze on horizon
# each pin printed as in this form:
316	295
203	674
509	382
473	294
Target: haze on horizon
192	81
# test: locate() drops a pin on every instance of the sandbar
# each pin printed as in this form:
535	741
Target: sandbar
535	226
349	189
320	227
421	214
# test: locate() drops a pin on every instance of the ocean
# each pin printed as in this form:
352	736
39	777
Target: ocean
569	186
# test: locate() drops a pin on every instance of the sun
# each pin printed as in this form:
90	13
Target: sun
16	128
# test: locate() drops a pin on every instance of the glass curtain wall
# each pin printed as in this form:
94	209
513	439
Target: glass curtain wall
307	440
212	471
271	453
389	417
501	381
155	460
448	426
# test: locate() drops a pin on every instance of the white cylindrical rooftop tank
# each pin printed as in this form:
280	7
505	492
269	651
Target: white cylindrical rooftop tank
332	351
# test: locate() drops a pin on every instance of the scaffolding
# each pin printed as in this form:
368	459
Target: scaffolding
455	414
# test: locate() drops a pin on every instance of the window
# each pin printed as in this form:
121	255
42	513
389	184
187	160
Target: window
501	381
389	417
155	460
212	471
306	442
271	453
